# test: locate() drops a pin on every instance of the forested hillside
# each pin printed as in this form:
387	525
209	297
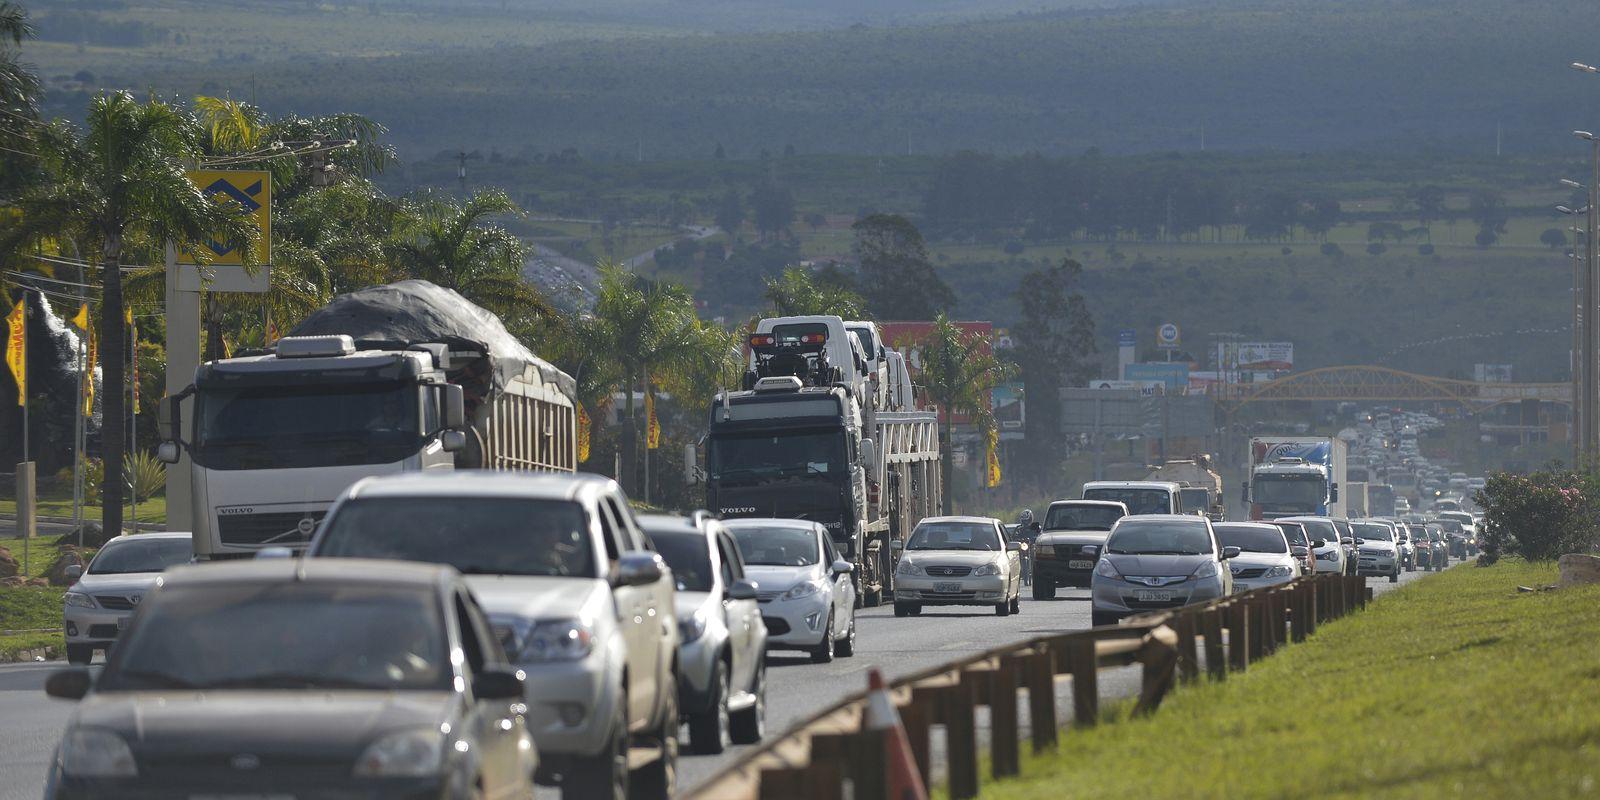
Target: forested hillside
1280	74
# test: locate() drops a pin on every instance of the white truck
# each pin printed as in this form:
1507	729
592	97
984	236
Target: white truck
398	378
799	444
1295	476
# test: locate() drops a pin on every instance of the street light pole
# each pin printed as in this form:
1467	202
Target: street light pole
1590	399
1579	358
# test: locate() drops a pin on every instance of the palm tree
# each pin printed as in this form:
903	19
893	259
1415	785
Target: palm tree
959	371
122	186
19	90
644	332
801	292
454	245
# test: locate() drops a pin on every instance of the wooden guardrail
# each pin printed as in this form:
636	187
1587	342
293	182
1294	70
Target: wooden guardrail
815	759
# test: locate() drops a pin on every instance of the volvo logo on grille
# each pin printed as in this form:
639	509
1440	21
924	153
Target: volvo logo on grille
305	526
245	761
739	510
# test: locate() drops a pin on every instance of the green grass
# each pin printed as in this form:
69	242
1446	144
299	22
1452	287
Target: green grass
1455	686
30	608
151	509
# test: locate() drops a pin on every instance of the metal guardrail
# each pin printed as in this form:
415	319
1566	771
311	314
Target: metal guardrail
815	759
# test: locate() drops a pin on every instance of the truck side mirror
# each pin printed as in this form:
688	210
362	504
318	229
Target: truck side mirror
869	455
691	465
169	428
167	452
455	407
452	441
1333	494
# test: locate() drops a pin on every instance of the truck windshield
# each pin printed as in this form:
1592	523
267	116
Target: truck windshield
760	457
478	536
283	427
1196	499
1289	491
1138	501
1081	518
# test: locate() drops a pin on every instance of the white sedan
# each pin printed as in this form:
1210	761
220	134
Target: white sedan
1264	557
958	561
804	590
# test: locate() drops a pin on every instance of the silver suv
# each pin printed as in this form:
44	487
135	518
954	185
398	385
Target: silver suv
722	650
574	592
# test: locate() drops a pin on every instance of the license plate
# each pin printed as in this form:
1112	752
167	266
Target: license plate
1153	595
1080	564
947	588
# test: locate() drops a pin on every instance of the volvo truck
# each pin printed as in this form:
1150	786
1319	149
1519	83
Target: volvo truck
398	378
1292	476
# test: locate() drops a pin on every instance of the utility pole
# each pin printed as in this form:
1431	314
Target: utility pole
1591	388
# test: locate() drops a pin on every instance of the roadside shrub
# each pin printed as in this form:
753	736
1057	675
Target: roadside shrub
1540	516
1332	249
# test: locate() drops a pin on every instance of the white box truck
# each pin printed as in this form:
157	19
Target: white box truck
1294	476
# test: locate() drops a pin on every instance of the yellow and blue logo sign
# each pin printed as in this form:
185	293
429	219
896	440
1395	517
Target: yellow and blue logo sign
252	190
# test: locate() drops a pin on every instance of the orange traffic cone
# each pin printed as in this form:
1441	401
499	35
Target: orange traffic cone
905	782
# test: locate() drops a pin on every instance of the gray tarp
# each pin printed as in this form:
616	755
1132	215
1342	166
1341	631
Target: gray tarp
412	312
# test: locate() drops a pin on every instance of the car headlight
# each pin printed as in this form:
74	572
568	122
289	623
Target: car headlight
409	753
1331	555
802	589
1105	570
79	599
554	640
692	627
1207	569
908	568
1044	550
1280	571
991	568
93	753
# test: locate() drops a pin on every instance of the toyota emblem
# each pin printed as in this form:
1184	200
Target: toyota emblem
135	598
245	761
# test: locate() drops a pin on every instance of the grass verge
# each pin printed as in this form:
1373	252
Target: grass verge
31	608
151	509
1455	686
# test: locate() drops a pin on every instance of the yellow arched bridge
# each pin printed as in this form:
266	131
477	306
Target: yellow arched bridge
1360	383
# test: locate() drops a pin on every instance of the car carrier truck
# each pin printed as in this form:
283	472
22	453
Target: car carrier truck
396	378
797	445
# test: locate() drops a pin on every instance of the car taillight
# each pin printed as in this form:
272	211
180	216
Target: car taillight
761	340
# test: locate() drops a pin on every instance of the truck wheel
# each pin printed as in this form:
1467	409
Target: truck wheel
708	730
604	775
658	780
1043	588
823	652
80	653
748	725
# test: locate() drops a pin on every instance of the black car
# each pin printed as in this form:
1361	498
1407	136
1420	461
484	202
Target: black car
320	679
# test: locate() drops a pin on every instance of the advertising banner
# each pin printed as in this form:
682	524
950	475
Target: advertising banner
1256	356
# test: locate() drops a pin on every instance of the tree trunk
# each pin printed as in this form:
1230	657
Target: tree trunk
113	352
630	441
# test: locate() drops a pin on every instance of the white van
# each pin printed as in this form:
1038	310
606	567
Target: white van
1141	497
826	334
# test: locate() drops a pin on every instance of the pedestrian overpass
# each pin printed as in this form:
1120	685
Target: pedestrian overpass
1383	384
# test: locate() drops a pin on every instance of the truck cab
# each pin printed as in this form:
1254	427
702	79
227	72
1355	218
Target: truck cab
1289	487
1139	497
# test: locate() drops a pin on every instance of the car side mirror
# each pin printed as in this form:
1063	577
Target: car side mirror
1319	543
743	590
843	567
497	684
639	568
1297	550
1230	552
1013	547
1347	540
1361	541
455	406
72	572
453	441
896	546
167	452
68	684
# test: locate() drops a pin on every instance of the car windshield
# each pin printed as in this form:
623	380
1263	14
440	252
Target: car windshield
132	554
1450	526
1320	529
1081	518
954	536
1294	533
1159	538
284	635
479	535
1138	501
1252	538
688	554
1370	532
775	546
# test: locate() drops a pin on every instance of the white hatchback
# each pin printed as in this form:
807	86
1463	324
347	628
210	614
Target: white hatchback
805	592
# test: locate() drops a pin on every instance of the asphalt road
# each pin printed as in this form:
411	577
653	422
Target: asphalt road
31	723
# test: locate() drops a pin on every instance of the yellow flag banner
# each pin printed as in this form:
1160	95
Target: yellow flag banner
583	434
652	434
17	347
81	319
992	478
88	375
127	315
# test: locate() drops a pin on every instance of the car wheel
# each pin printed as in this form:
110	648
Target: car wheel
902	609
823	652
1044	588
1016	603
915	609
1003	608
604	775
847	645
80	653
708	730
749	724
1394	577
1100	618
658	780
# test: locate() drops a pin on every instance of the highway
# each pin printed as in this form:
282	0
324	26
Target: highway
797	688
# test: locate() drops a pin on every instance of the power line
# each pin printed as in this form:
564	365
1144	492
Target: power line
21	152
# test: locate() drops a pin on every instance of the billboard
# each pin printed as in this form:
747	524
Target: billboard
1175	375
1491	373
1009	410
903	338
1256	356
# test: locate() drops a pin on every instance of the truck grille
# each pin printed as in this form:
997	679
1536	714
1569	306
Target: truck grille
280	528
